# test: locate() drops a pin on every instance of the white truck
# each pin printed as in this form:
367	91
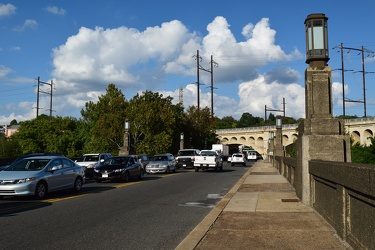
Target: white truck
222	149
208	159
90	161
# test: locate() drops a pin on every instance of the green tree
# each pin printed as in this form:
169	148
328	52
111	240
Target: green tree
248	120
199	128
362	153
9	148
226	122
43	134
13	122
105	122
153	122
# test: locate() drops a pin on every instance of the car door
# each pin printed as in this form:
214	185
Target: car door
172	162
132	167
69	174
55	176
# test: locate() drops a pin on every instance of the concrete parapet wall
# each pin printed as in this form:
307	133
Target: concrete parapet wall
344	194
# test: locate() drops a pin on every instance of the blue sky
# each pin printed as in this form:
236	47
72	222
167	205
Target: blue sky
83	46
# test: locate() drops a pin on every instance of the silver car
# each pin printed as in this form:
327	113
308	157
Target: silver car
161	163
39	175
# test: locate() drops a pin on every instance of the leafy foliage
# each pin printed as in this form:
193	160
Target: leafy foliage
43	134
105	122
153	122
199	128
363	153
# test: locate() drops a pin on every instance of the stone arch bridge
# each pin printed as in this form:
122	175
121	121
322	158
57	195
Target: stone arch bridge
360	130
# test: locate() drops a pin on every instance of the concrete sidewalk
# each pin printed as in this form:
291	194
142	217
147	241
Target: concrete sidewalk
262	211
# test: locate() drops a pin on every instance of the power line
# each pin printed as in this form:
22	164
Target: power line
211	71
44	92
276	110
362	51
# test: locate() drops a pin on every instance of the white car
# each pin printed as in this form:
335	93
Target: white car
251	156
238	158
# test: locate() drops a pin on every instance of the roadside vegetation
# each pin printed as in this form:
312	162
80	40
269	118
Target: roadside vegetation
156	125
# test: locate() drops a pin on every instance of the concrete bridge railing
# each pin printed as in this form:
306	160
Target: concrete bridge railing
343	193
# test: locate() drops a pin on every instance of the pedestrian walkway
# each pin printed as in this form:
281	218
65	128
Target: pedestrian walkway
262	211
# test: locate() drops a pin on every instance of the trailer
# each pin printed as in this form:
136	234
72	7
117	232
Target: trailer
222	149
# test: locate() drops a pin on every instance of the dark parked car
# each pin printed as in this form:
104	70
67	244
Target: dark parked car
121	168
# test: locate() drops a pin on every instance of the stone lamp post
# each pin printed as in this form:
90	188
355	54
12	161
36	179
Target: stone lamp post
124	150
279	150
182	141
321	137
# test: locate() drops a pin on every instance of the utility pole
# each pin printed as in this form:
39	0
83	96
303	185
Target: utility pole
213	63
362	51
199	67
44	92
198	58
181	95
276	110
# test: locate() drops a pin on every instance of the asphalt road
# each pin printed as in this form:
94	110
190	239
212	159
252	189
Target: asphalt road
157	212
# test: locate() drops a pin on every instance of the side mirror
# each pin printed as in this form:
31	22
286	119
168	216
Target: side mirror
54	168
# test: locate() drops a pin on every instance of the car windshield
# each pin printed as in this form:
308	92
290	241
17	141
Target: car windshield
116	161
160	158
208	153
91	158
186	153
28	165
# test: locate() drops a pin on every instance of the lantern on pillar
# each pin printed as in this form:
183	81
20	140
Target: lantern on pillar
278	122
316	40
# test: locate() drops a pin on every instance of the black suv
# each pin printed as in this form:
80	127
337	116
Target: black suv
185	158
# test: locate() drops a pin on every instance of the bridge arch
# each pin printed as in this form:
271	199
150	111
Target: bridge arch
285	140
356	136
251	141
367	134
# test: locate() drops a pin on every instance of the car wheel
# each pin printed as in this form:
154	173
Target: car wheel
98	181
196	169
141	173
232	165
41	190
126	177
77	185
175	169
167	171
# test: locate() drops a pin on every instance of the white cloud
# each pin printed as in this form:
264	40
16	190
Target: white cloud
7	9
15	48
147	60
28	24
4	71
254	95
55	10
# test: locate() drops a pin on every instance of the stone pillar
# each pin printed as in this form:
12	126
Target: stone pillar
279	149
182	141
321	137
124	150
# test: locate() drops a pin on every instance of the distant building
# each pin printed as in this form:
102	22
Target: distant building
10	130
